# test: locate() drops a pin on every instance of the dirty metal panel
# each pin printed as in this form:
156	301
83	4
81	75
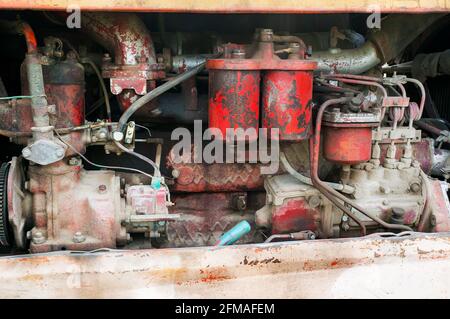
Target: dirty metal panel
272	6
416	266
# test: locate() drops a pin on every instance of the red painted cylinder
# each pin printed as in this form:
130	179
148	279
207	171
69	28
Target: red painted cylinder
347	144
234	92
64	86
234	100
286	101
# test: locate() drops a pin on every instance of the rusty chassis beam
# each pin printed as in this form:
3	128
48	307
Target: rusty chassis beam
236	6
411	266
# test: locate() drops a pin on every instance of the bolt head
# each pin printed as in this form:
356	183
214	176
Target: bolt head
102	135
314	201
60	152
118	136
415	187
38	238
175	173
78	237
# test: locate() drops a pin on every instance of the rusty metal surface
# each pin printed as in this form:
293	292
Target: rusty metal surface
283	6
370	267
286	103
214	177
234	100
206	216
75	209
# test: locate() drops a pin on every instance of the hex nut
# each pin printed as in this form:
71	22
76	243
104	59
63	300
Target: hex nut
78	237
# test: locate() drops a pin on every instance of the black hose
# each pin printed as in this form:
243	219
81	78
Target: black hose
157	92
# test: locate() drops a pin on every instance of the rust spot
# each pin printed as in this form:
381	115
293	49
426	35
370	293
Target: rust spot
33	278
266	261
214	277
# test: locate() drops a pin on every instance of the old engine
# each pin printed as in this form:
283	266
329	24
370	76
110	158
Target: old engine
301	140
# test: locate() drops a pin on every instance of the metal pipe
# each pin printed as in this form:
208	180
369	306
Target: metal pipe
302	235
353	61
306	180
125	36
429	128
396	33
19	27
157	172
422	97
361	80
35	79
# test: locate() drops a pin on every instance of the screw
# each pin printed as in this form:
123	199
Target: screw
102	135
314	201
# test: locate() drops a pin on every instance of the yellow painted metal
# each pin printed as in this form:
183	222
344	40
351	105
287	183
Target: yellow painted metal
408	266
233	6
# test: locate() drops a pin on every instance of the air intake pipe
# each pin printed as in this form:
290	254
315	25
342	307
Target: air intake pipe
133	67
396	33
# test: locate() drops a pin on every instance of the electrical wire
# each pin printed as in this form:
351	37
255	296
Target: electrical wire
17	97
145	128
140	156
102	85
100	165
